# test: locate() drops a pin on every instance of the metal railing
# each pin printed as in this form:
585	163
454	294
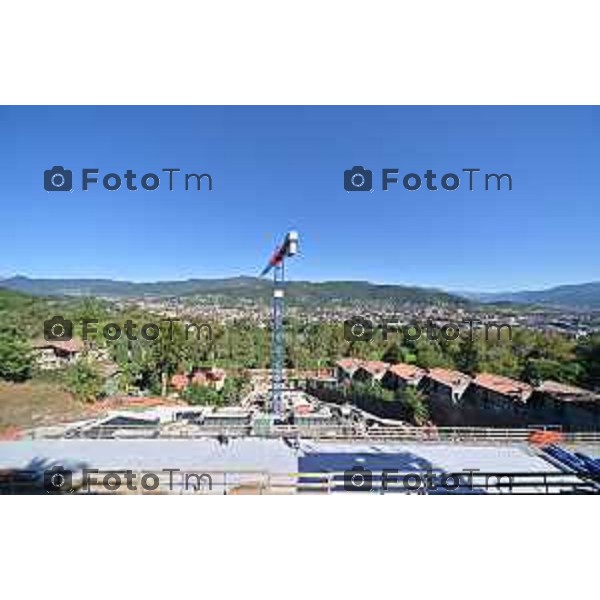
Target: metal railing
316	432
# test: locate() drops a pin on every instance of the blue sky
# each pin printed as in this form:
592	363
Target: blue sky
276	168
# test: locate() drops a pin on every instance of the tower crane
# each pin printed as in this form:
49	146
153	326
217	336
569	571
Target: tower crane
276	263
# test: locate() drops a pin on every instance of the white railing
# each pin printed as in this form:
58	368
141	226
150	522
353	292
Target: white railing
317	432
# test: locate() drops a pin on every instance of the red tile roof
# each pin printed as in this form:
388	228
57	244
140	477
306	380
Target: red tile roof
210	374
504	385
375	367
448	377
179	381
406	371
74	345
567	392
348	364
217	374
199	377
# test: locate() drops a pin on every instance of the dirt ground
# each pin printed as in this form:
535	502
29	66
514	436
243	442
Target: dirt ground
24	405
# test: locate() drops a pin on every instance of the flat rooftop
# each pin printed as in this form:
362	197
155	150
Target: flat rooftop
414	457
254	463
273	455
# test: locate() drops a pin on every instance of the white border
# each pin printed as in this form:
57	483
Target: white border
299	53
310	52
321	547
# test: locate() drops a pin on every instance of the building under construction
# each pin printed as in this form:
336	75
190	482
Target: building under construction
255	465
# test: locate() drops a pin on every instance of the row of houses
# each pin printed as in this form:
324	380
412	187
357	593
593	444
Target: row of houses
486	399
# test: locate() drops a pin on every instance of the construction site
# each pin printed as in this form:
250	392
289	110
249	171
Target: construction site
289	441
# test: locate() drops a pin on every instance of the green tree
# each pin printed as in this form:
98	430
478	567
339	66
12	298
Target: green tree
468	357
537	370
84	381
16	361
588	352
499	358
429	354
203	395
234	387
393	354
415	404
165	353
368	395
89	309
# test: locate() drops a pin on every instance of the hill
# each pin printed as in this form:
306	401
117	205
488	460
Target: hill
583	296
580	296
13	300
250	288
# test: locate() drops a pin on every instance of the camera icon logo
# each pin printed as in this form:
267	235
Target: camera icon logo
58	179
58	480
358	479
358	179
358	329
58	329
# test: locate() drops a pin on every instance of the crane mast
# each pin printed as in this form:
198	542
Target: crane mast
276	263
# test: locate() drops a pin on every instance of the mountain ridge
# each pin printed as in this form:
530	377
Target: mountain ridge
584	295
235	287
581	295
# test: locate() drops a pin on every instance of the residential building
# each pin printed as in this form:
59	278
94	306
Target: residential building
345	369
571	407
211	376
370	371
58	353
444	389
179	382
494	400
400	375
